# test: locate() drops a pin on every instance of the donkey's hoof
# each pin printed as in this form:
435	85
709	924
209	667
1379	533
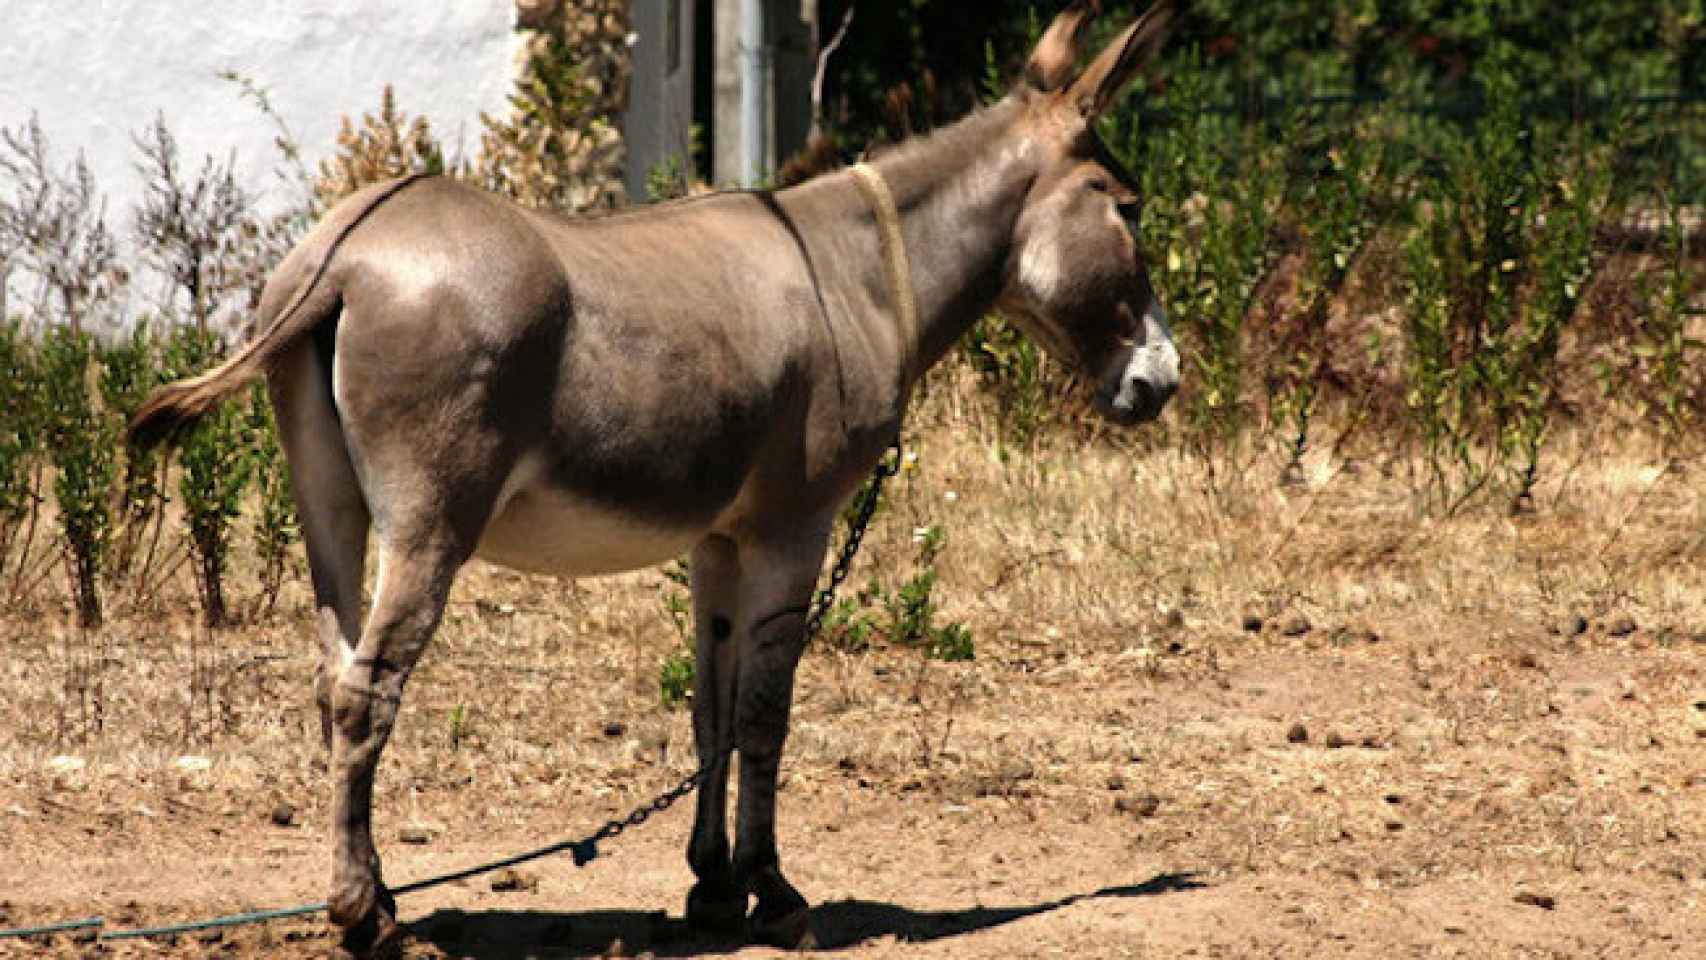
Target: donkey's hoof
716	909
367	915
782	919
375	938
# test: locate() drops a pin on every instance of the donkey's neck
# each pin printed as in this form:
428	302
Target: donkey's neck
959	193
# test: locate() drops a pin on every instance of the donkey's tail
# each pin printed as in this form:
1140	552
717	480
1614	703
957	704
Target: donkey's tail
179	405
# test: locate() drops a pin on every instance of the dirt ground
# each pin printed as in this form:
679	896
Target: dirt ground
1282	723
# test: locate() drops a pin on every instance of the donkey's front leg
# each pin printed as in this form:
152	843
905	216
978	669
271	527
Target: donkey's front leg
716	902
776	592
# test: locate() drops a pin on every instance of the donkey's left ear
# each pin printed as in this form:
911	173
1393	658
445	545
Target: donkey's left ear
1056	56
1114	68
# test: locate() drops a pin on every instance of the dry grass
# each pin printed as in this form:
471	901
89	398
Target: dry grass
1466	737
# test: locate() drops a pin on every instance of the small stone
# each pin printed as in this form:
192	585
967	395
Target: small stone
615	728
1393	799
1527	661
1540	900
1297	626
1335	740
1174	620
1252	623
1620	627
415	834
1573	626
1144	805
1116	783
1297	734
509	880
284	815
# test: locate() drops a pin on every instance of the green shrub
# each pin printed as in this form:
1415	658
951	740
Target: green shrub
20	445
1666	349
215	470
275	527
1497	264
1026	385
82	442
130	369
1340	206
1212	187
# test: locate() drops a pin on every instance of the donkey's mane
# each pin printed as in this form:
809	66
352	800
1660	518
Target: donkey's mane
954	145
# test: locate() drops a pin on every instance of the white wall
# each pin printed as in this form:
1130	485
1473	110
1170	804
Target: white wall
96	71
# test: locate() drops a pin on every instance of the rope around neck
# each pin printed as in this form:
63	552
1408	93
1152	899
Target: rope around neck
893	242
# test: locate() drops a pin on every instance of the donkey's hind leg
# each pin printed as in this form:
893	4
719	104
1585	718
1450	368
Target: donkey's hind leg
414	583
331	508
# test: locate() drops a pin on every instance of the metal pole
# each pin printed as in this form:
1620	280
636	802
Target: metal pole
754	91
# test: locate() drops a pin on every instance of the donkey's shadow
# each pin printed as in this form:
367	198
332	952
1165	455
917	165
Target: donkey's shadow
515	934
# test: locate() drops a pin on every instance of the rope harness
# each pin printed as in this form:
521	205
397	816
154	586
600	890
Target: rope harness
895	261
585	850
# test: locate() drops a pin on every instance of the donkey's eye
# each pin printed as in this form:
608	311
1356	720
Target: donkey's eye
1098	184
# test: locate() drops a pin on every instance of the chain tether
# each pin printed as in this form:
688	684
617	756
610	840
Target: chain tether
584	850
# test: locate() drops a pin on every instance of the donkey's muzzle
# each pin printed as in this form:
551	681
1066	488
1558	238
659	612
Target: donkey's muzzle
1143	376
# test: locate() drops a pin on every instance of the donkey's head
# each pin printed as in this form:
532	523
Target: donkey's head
1076	280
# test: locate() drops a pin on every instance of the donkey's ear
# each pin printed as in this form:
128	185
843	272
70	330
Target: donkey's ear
1107	76
1056	56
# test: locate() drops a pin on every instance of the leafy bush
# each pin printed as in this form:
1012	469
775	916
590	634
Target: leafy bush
82	442
382	147
129	371
275	527
1024	382
1667	348
20	442
1343	201
1212	188
1497	264
216	468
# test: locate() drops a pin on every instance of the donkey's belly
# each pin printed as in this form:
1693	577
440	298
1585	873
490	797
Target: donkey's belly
549	531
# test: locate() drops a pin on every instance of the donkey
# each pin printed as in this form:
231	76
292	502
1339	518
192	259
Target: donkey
464	377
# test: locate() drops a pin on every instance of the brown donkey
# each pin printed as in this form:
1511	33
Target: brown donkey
463	377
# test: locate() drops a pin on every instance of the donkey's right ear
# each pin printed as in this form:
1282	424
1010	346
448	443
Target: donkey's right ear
1055	60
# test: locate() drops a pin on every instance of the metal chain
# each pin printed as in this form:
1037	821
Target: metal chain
585	850
886	468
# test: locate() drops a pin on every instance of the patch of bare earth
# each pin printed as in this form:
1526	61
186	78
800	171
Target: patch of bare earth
1203	721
